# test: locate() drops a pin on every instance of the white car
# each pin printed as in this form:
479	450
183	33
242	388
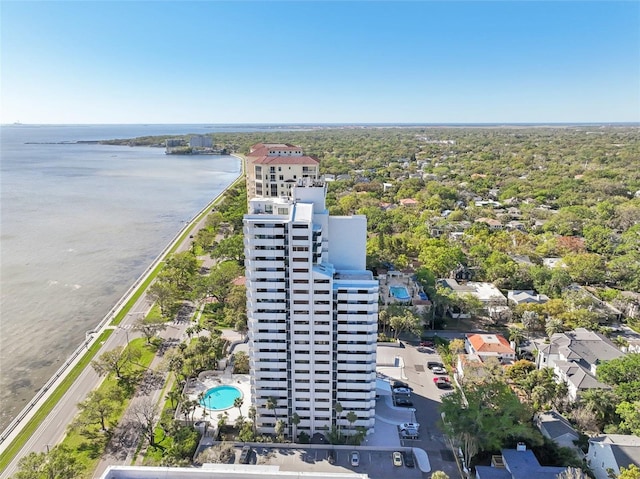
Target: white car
410	425
438	370
401	391
355	458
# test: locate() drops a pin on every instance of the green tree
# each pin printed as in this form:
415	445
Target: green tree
585	268
629	413
59	463
231	248
631	472
338	409
272	405
150	327
116	361
165	294
98	407
485	418
241	363
237	403
352	417
295	420
553	326
280	428
253	415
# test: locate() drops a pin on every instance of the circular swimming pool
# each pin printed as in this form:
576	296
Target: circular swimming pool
220	397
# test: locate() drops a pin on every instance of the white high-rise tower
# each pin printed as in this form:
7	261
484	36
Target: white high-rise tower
312	312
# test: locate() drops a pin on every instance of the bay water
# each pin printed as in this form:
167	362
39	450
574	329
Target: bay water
79	223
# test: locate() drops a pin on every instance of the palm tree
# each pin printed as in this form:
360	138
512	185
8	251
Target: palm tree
253	413
272	404
238	402
515	335
552	326
352	417
174	396
295	420
338	408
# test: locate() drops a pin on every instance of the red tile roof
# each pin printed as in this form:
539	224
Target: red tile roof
286	160
262	149
490	343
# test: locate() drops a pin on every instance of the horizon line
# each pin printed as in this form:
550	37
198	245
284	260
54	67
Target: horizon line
493	123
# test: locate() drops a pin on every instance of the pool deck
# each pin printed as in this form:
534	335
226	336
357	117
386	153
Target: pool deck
197	386
400	280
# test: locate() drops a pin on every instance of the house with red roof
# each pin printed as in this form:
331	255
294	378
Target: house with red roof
489	345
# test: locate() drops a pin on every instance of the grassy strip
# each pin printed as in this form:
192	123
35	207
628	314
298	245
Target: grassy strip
139	292
89	451
51	402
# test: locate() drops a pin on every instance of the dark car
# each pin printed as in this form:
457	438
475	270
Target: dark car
331	456
399	384
408	459
434	364
402	402
428	344
245	455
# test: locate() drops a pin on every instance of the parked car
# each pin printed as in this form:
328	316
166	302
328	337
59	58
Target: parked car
438	370
331	456
400	384
410	433
442	382
433	364
403	402
401	391
408	459
410	425
245	455
355	458
397	459
427	344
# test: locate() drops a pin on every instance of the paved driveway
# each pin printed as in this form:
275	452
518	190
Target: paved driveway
426	398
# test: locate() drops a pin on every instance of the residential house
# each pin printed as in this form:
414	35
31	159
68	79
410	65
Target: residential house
516	225
493	225
408	202
520	463
574	357
489	345
495	302
610	452
555	427
517	297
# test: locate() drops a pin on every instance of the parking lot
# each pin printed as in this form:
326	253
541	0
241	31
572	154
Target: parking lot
378	464
375	453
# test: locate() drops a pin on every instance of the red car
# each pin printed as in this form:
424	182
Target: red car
442	382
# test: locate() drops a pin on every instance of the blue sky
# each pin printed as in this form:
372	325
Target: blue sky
319	62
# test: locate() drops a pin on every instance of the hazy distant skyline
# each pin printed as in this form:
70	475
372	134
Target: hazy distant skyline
319	62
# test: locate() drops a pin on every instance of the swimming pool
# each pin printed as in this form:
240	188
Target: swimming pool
220	397
399	292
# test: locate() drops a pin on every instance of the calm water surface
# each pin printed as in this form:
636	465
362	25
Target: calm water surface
79	223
